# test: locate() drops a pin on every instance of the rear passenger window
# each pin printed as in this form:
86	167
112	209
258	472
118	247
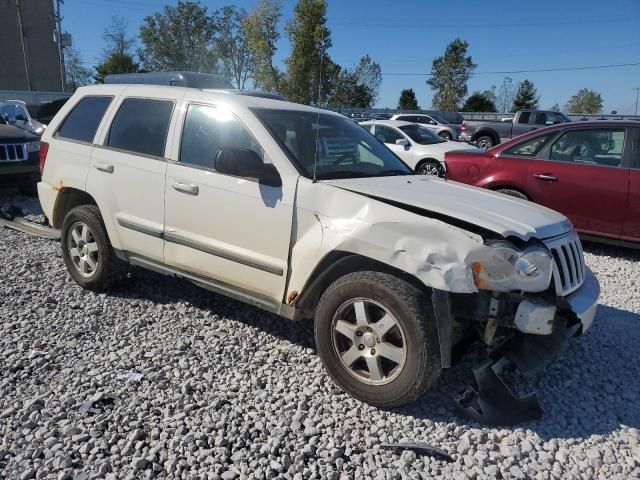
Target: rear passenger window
140	126
83	120
601	146
207	130
524	117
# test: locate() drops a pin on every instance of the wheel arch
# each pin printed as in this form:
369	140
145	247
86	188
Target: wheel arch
336	264
510	187
67	199
486	132
424	160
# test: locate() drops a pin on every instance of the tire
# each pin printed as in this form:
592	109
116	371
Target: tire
445	135
412	330
485	141
513	193
430	167
95	267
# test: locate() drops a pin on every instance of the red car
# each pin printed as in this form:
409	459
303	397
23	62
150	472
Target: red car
589	171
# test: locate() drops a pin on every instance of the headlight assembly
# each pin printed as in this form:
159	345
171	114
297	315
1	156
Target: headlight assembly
502	267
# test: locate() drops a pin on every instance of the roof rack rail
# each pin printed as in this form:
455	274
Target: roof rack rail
177	78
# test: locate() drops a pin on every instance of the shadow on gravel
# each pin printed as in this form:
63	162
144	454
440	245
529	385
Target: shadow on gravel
592	388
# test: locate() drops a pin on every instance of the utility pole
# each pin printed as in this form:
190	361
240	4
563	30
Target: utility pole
58	17
24	48
637	89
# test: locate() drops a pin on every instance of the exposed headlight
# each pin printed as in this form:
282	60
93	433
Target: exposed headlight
33	147
502	267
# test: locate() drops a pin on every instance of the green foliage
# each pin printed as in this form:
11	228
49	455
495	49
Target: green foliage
369	74
450	74
350	92
555	107
480	102
115	63
311	74
235	54
76	74
526	97
585	101
407	100
261	36
179	38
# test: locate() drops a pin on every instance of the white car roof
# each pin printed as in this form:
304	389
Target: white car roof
390	123
160	91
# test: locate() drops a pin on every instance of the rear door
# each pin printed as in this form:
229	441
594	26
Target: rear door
127	173
522	124
631	228
585	177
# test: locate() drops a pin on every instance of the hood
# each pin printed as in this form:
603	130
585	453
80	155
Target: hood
455	202
11	134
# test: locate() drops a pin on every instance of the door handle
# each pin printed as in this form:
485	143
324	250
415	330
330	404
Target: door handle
188	188
103	167
545	177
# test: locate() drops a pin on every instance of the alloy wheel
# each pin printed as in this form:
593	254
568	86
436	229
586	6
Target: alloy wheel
83	249
369	341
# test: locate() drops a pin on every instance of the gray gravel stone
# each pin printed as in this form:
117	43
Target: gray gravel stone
225	391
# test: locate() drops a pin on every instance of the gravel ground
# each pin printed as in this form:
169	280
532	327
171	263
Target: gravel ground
160	379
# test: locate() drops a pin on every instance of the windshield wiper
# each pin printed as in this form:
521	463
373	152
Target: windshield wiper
383	173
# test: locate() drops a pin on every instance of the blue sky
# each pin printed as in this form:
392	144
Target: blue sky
405	35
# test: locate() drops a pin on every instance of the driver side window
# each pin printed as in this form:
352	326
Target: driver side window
209	129
387	134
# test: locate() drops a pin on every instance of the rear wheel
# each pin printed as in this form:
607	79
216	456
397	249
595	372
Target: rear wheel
430	167
87	251
485	141
513	193
377	338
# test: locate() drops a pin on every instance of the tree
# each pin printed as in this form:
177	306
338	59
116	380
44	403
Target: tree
479	102
369	74
585	101
408	100
450	74
234	53
179	38
117	56
115	63
261	35
555	107
350	91
77	75
526	97
506	94
310	72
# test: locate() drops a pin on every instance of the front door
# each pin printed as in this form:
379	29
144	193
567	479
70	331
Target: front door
389	135
225	227
631	228
585	178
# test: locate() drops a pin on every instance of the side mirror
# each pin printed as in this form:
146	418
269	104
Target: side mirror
402	141
242	162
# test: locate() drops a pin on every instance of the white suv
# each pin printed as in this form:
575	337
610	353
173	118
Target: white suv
302	212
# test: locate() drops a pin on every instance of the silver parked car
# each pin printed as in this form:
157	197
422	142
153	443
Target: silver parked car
440	126
15	113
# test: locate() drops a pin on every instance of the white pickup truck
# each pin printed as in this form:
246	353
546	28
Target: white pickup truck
302	212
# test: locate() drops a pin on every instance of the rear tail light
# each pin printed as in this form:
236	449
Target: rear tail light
463	127
44	149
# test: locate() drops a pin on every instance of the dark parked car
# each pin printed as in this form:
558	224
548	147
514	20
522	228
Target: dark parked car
590	171
19	158
487	133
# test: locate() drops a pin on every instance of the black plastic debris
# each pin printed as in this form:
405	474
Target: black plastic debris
98	402
9	212
493	402
421	449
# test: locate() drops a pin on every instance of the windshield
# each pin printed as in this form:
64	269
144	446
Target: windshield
421	135
344	149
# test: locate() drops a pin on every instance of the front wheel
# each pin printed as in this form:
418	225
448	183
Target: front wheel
445	135
430	167
513	193
377	338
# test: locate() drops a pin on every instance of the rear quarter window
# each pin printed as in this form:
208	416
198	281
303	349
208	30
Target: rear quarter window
140	126
82	121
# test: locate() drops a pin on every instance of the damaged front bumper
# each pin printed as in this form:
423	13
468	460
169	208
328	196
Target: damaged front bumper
584	301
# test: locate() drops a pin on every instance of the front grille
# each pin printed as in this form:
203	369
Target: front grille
13	152
569	267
